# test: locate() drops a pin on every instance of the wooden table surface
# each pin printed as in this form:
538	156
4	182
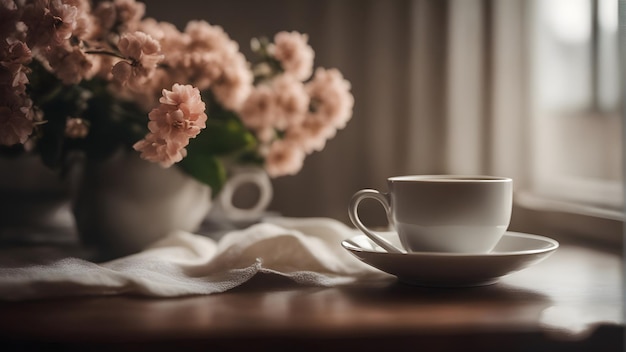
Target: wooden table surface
571	301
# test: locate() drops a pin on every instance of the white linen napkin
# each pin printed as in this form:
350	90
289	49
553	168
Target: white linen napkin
306	250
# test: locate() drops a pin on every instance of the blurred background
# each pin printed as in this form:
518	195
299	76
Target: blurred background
521	88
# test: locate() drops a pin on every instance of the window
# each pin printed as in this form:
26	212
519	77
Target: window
574	96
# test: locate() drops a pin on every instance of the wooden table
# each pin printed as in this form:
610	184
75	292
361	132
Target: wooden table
572	301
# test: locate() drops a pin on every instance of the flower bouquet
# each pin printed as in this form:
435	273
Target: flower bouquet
91	78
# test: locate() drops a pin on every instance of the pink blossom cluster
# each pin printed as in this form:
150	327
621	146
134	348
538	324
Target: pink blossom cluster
73	41
293	52
293	117
143	53
17	117
179	118
202	55
291	110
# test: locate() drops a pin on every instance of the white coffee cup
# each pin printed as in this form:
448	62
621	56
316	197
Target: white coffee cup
442	213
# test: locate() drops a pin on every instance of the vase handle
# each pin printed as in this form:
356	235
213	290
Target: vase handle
246	176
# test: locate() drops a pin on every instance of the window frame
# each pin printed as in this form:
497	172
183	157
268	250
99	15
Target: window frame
543	205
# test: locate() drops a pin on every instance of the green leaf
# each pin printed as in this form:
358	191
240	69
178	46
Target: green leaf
222	137
227	137
205	168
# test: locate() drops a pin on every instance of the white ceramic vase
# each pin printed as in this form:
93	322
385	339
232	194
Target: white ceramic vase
125	203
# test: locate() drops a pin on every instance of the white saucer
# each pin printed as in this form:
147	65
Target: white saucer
514	252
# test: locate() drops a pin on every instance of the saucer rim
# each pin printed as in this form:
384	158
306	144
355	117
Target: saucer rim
554	244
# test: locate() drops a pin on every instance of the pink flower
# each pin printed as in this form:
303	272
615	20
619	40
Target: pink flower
64	20
70	64
206	37
13	60
233	85
49	23
180	117
104	17
283	158
16	120
158	150
16	54
281	103
85	25
184	95
294	54
181	114
213	61
76	127
16	112
330	109
311	135
129	13
143	52
265	135
331	99
172	41
259	110
292	101
117	16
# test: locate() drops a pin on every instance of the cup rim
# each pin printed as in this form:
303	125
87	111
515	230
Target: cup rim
450	178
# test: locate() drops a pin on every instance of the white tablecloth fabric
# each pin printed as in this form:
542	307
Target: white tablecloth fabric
306	250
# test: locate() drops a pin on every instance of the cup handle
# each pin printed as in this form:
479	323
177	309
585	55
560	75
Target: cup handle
354	217
256	177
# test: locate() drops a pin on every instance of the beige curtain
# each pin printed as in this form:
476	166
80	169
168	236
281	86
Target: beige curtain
393	52
420	72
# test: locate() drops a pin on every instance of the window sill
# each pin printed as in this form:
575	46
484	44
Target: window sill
568	221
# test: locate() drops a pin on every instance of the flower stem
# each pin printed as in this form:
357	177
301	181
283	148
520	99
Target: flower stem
97	52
